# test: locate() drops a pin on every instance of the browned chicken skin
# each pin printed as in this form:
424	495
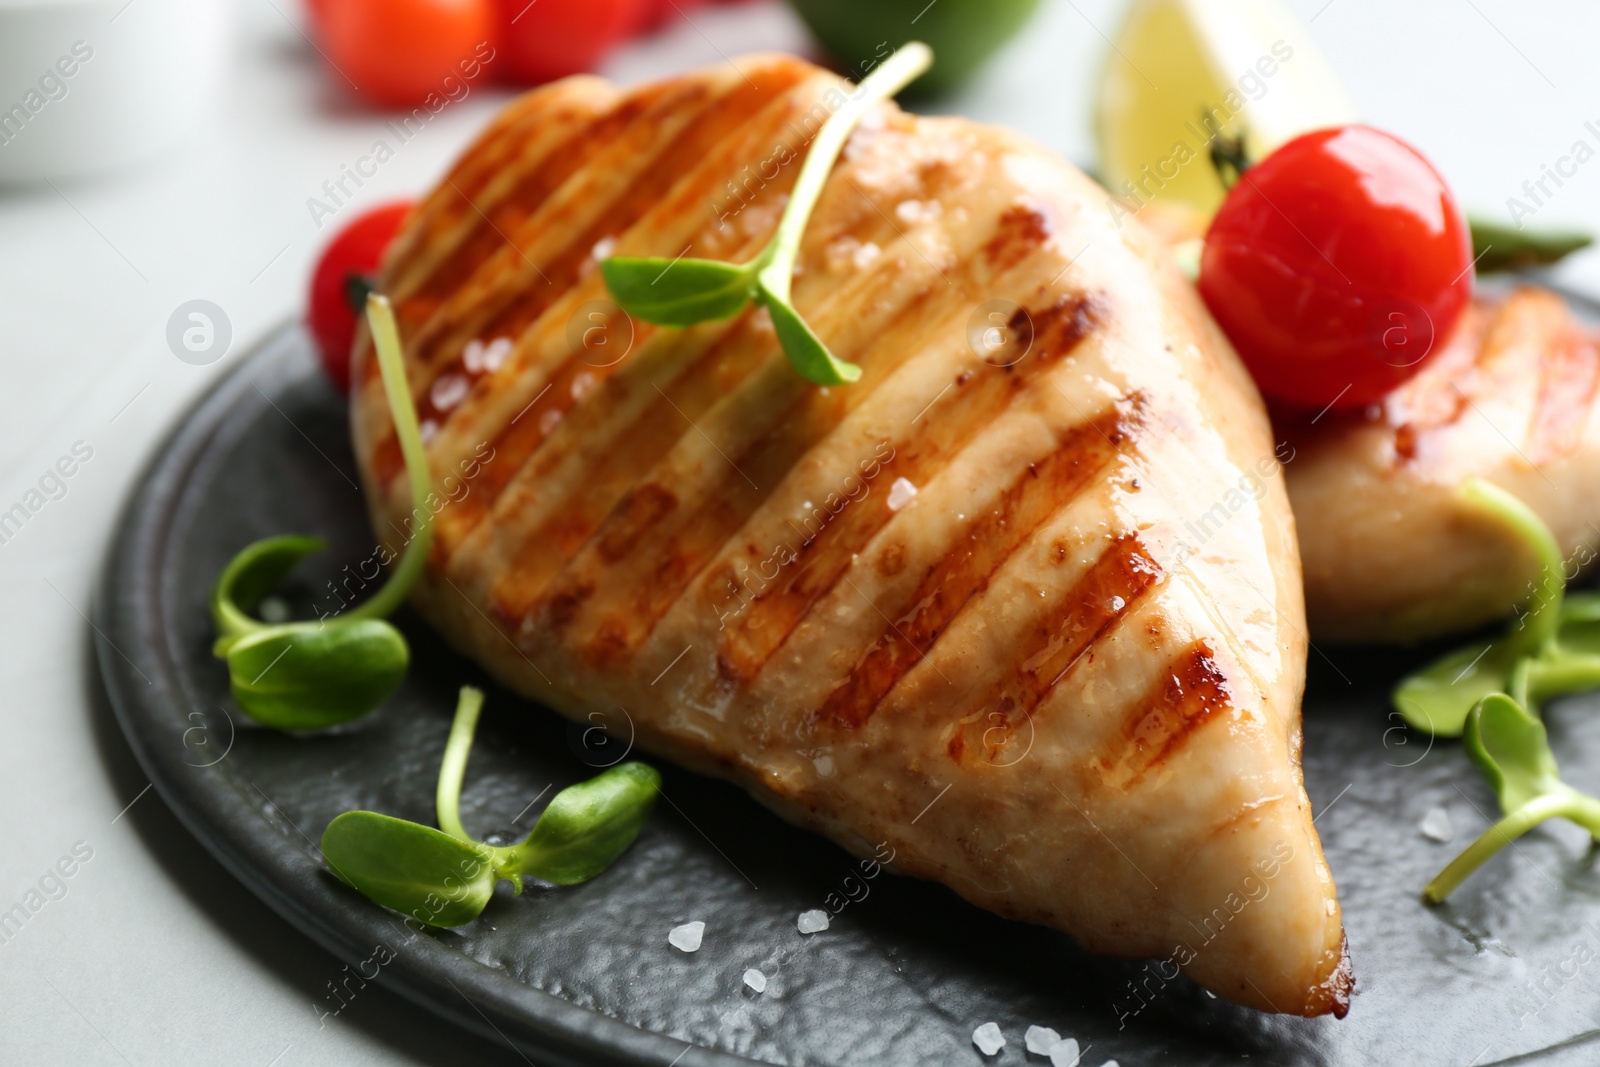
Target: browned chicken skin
950	610
1390	551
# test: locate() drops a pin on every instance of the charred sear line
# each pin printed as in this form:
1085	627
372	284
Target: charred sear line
1192	692
1066	634
1038	492
502	311
955	418
1022	229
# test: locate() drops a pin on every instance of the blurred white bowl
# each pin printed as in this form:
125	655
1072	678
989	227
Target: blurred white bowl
89	85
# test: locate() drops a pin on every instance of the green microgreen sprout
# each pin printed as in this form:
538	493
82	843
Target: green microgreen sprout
1554	646
1511	748
444	877
313	674
682	292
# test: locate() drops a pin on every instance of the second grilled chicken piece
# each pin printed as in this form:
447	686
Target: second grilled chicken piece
948	611
1390	551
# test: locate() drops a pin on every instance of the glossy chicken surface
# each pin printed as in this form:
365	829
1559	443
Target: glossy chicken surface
1390	551
1008	605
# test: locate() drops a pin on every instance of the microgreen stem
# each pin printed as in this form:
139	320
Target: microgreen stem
777	260
447	798
1496	837
683	292
1539	625
391	363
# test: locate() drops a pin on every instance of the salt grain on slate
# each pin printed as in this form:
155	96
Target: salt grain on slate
1065	1054
813	922
1436	825
988	1039
686	938
755	980
1041	1039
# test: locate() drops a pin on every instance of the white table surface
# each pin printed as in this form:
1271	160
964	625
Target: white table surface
156	955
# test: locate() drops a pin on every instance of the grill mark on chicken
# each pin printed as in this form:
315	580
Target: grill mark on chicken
609	486
956	417
1570	373
726	361
616	489
1023	228
683	545
1040	491
1193	691
537	132
684	542
490	219
503	308
1064	635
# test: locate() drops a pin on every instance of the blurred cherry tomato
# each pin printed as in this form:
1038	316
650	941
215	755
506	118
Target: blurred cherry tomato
1336	266
396	52
542	40
350	259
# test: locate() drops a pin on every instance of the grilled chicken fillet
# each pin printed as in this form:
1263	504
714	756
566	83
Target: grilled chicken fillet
1390	550
950	608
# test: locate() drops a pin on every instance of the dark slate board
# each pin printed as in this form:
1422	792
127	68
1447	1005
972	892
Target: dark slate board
1504	974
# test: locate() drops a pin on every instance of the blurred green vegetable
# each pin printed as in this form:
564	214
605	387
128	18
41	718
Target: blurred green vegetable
963	33
1499	247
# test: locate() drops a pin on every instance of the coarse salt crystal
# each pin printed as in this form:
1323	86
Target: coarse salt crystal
604	247
813	922
1437	826
428	430
1041	1039
496	353
549	421
1065	1053
448	391
989	1039
583	384
866	255
686	938
472	356
900	494
755	980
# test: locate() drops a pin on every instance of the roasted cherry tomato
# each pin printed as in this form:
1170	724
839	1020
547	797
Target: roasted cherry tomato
396	52
1337	265
340	283
553	38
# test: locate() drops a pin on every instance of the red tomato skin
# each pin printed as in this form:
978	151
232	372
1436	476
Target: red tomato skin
550	39
652	15
1337	266
356	249
393	53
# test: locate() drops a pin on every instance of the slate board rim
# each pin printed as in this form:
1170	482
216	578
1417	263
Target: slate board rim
141	679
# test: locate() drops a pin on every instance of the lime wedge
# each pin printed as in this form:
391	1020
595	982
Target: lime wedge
1183	72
